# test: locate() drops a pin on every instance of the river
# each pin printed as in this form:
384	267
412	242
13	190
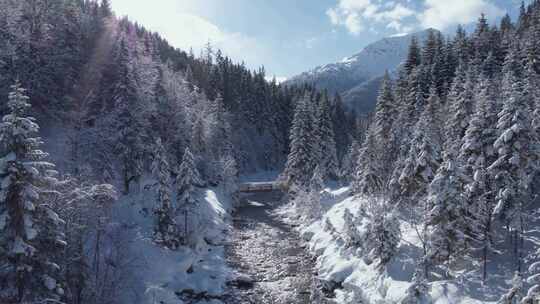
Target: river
273	262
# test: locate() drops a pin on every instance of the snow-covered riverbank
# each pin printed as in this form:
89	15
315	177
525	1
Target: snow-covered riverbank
160	275
358	279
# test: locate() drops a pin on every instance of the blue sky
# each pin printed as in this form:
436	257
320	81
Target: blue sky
292	36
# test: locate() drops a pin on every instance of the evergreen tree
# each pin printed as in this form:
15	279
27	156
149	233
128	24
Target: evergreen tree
166	232
429	51
481	39
516	148
187	203
383	233
344	126
385	110
30	235
476	154
368	176
125	121
533	294
326	139
460	106
350	232
423	158
516	165
302	156
350	162
442	67
461	45
385	114
413	57
446	219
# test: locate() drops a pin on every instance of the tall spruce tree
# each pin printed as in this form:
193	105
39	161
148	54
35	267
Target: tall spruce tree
326	139
516	165
445	217
302	156
414	56
165	232
385	115
30	234
187	203
423	158
126	132
368	176
460	106
475	155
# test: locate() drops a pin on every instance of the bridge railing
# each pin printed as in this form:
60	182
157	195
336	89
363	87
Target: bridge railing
262	187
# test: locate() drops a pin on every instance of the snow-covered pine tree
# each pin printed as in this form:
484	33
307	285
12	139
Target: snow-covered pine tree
385	114
417	89
186	202
229	173
301	159
517	161
219	128
350	233
85	219
165	231
126	132
410	109
533	294
442	68
459	108
367	180
350	162
445	219
531	91
326	139
413	57
423	158
461	45
30	234
401	132
475	155
383	232
429	50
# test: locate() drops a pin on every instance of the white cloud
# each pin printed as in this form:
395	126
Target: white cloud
442	14
356	15
400	16
354	5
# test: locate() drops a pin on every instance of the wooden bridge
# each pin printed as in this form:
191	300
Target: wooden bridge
262	187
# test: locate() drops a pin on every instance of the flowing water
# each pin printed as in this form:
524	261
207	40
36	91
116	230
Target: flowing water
273	262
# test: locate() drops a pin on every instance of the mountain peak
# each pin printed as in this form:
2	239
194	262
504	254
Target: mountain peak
361	69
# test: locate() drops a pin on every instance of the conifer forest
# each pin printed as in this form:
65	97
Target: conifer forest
135	171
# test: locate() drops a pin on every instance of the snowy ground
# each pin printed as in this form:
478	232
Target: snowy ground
164	276
359	281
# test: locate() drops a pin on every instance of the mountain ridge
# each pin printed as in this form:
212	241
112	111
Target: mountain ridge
357	78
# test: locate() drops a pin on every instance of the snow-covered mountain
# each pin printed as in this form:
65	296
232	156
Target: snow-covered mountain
358	77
